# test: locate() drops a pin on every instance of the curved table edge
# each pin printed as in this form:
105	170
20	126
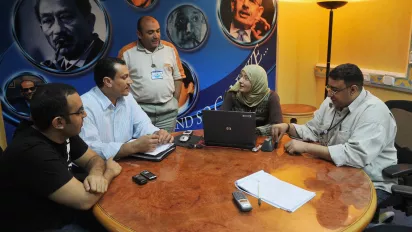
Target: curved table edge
308	114
107	221
366	218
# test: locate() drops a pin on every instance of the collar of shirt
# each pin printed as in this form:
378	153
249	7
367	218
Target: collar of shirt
104	101
355	104
78	62
141	48
234	31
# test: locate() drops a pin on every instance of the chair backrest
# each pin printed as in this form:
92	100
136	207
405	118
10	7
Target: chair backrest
402	111
386	228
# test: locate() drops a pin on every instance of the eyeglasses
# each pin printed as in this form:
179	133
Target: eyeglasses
25	90
334	91
81	111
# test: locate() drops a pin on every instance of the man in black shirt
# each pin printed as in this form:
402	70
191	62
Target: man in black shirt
37	191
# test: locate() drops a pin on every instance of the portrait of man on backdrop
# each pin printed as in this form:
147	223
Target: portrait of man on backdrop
187	27
20	91
143	4
189	91
247	22
62	37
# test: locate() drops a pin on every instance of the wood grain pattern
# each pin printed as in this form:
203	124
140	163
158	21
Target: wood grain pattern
194	186
297	109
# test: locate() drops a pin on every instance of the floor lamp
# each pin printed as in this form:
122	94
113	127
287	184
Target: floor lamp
331	5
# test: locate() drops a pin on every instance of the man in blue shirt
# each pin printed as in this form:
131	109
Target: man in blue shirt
114	117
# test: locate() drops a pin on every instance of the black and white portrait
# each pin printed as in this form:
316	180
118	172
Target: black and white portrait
142	4
247	22
61	36
187	27
19	91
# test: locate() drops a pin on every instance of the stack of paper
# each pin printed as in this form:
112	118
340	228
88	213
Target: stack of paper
159	149
274	191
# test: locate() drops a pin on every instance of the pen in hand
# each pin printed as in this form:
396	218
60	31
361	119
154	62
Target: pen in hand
259	200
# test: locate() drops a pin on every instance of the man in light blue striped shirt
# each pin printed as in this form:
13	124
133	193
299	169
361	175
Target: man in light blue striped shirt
114	117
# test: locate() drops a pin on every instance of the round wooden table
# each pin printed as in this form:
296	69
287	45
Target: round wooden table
193	192
297	113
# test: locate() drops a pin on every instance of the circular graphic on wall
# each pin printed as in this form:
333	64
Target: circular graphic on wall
142	4
247	22
63	36
187	27
189	92
18	92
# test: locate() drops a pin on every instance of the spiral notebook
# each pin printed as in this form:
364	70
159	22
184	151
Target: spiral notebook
161	152
274	191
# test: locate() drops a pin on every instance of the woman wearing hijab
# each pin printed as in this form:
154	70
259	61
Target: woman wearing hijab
252	94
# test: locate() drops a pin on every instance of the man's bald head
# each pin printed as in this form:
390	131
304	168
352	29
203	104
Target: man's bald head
143	20
148	32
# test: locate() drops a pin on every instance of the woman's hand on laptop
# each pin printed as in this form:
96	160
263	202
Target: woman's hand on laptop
164	137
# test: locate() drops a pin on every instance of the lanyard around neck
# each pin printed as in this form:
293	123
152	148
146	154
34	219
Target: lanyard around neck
332	127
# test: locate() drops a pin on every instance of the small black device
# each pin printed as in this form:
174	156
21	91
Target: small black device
139	179
268	145
241	201
148	175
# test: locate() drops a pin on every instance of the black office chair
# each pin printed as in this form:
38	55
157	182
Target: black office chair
386	228
401	198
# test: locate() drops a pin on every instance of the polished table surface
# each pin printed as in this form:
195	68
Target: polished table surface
193	192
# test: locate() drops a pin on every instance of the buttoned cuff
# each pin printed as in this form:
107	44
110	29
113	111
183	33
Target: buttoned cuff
337	154
148	131
111	150
299	130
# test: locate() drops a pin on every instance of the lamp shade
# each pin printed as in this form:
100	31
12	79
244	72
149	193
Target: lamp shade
332	4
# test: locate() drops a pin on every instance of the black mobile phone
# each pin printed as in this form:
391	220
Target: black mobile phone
139	179
148	175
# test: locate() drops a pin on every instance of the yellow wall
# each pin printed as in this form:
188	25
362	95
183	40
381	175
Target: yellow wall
373	34
298	51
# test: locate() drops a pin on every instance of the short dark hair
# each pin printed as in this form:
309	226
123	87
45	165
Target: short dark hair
21	87
349	73
50	101
139	24
83	5
105	68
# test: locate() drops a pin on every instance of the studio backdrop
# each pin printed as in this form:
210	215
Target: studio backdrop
212	50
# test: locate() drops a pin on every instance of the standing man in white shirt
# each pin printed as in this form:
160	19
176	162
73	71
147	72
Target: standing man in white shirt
354	128
114	117
156	71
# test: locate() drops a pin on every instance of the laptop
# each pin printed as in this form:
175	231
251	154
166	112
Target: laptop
229	128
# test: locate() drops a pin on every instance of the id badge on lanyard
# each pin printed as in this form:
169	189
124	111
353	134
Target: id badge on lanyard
157	74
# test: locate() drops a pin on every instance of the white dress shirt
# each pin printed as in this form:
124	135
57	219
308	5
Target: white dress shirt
363	139
107	127
234	32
